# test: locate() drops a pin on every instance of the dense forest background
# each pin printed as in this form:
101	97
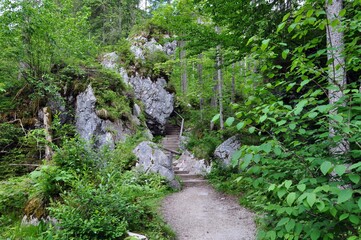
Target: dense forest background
282	75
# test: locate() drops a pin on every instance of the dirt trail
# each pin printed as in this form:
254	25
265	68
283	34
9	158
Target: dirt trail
201	213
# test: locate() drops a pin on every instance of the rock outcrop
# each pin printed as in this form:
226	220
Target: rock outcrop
225	151
152	159
91	127
157	101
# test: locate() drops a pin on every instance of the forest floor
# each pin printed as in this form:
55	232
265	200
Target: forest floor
201	213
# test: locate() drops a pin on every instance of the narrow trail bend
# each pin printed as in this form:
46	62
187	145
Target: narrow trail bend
201	213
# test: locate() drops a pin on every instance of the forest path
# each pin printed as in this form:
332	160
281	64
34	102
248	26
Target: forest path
201	213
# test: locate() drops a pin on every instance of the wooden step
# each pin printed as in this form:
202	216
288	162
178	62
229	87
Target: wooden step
194	182
176	172
175	168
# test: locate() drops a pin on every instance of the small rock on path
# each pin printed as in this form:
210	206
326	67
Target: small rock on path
201	213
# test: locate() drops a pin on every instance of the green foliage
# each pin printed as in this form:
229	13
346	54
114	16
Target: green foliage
113	106
14	193
108	207
306	189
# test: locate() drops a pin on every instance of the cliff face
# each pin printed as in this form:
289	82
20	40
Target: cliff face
151	90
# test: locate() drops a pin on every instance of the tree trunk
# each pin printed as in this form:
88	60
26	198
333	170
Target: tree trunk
183	65
233	86
200	82
337	73
48	136
220	82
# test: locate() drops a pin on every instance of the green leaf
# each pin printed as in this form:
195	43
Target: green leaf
290	225
299	107
291	197
342	12
315	234
291	27
285	53
277	150
271	235
282	222
240	125
356	165
326	167
301	187
281	193
359	203
344	195
266	147
320	205
344	216
311	199
265	44
263	118
340	169
354	219
235	158
215	118
312	115
288	184
292	126
272	187
229	121
285	17
281	26
251	129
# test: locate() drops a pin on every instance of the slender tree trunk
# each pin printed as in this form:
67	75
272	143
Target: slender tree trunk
200	82
48	136
337	73
220	82
233	85
183	64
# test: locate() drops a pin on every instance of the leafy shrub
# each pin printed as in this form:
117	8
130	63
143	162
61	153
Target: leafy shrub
76	155
50	181
203	146
107	208
14	193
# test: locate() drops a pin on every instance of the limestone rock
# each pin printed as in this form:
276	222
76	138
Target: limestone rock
157	101
187	162
89	125
136	236
152	159
225	151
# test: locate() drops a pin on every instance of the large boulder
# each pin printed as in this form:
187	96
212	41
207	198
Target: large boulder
91	127
187	162
225	151
152	159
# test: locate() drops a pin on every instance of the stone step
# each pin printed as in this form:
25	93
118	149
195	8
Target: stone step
175	168
176	172
194	183
189	176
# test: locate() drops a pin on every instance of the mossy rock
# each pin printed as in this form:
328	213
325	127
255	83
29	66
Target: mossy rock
36	207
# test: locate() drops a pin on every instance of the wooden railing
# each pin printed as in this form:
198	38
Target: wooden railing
182	124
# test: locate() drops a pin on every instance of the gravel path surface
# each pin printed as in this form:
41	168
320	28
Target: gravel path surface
201	213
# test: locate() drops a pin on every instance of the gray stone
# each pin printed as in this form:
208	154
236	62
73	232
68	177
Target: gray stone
136	110
91	127
187	162
157	101
110	60
152	159
170	47
137	236
225	151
